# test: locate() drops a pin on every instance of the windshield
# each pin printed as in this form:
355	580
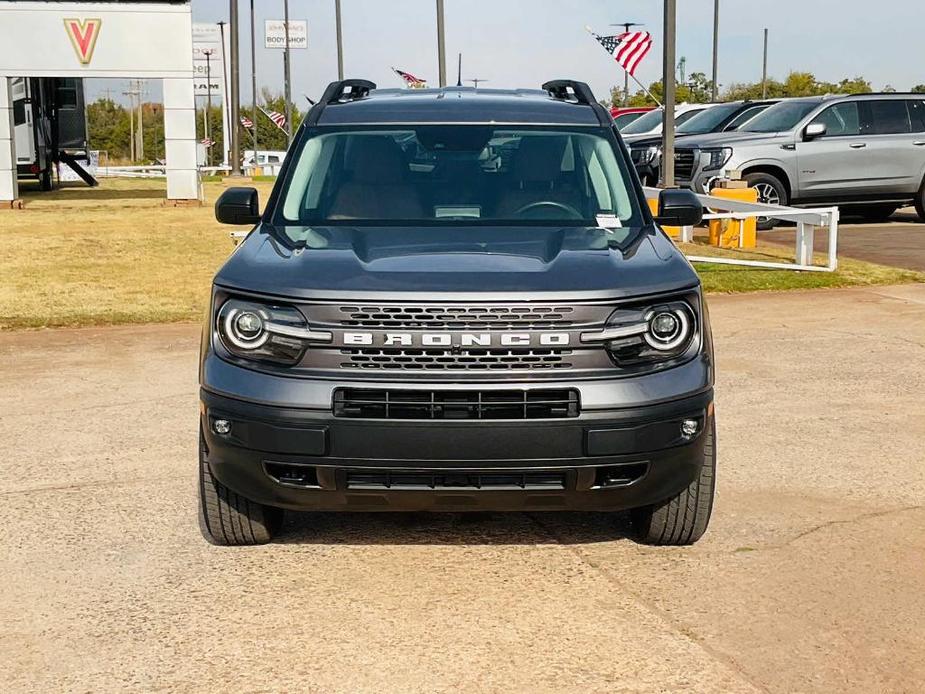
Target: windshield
707	121
644	124
779	117
458	175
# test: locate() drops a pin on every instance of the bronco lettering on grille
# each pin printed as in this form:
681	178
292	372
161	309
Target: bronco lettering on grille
448	339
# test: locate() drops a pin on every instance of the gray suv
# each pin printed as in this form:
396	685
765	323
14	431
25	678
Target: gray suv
865	152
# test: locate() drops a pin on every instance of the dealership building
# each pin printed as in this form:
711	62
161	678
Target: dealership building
121	39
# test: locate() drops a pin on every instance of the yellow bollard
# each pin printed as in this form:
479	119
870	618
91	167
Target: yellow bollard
733	233
671	231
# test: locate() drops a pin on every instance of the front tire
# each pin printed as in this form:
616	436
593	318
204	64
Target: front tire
682	519
770	191
227	518
920	203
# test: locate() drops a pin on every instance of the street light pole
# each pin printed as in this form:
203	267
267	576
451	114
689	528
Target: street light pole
715	91
287	59
235	117
253	84
207	121
626	76
764	68
668	58
441	44
340	40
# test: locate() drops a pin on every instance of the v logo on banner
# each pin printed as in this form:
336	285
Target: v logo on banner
83	34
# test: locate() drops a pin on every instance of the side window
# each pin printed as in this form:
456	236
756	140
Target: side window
888	117
625	119
917	113
19	112
687	115
745	116
840	119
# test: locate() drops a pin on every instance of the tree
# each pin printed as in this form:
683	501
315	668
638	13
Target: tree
108	128
918	89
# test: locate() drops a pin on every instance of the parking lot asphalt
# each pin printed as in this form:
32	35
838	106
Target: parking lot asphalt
811	577
899	242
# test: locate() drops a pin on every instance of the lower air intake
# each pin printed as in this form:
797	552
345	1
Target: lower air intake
382	403
446	480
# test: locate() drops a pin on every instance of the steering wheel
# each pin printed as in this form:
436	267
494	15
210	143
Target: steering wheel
568	209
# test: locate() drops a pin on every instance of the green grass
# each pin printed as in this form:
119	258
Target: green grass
117	254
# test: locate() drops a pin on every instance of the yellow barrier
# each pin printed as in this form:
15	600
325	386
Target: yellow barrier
734	233
671	231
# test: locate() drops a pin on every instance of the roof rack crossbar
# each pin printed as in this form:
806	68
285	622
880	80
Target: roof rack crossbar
559	89
346	89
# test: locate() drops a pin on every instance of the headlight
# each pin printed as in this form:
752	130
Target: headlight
646	155
716	158
648	334
265	332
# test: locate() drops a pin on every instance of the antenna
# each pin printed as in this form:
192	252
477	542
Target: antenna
476	81
459	72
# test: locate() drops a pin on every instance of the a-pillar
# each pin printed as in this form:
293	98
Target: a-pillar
9	188
183	182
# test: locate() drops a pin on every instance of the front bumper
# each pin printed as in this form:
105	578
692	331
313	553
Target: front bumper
308	459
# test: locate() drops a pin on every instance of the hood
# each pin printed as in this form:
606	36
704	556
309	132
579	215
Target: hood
732	138
469	262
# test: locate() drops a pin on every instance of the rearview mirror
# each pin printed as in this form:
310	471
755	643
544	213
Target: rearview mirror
678	207
814	130
238	206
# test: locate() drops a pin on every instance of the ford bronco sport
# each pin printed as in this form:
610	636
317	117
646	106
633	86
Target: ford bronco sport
456	300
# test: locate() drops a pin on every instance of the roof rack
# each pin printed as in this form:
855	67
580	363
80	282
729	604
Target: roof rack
559	89
338	92
346	89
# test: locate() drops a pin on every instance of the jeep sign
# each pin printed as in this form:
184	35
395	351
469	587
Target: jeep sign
275	33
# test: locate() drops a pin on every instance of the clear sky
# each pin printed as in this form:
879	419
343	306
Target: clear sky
525	42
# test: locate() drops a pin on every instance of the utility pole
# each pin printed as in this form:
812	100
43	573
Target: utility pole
626	76
668	58
253	84
287	64
226	142
207	118
131	94
764	69
235	116
340	40
441	44
139	133
714	94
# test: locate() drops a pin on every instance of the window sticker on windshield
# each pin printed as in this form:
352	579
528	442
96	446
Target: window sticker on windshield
608	221
468	211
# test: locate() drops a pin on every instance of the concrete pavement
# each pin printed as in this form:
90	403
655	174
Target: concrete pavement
811	577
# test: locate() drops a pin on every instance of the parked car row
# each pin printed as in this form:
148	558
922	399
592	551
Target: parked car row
864	153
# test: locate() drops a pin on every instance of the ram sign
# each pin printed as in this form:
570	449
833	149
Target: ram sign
275	33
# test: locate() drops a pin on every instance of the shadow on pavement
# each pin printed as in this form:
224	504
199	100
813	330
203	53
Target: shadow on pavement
476	528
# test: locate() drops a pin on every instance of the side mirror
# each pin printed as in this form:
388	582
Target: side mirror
678	207
238	206
814	130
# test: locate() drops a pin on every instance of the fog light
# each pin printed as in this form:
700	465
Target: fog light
689	428
221	426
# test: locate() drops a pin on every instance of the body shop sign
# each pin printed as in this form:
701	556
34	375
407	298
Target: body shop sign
275	33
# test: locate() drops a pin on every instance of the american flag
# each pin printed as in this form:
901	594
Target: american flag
247	122
207	141
628	49
279	119
410	79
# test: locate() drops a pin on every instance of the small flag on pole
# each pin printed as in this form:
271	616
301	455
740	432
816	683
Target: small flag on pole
410	80
247	122
628	48
279	119
207	141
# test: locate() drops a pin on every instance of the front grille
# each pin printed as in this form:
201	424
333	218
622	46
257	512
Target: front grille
463	360
684	163
456	317
448	480
381	403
